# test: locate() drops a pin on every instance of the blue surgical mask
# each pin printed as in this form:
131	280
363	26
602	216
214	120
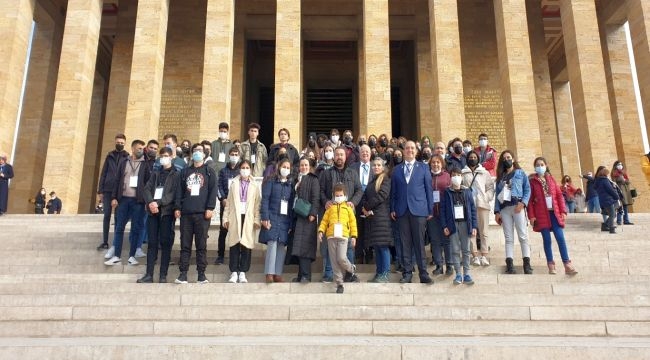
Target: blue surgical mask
197	156
540	170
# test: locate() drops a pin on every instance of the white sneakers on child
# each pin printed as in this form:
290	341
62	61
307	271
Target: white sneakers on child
476	261
233	277
484	261
242	277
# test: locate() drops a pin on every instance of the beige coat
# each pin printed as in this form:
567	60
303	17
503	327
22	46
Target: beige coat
483	187
232	215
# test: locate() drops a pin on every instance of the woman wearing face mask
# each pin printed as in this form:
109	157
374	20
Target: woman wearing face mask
305	243
277	216
513	193
569	192
39	202
397	158
327	161
476	178
619	176
456	158
608	198
440	245
242	219
547	212
376	209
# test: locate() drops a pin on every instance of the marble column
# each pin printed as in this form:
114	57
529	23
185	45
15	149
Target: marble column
238	129
448	99
15	30
588	84
147	65
543	87
517	81
375	103
288	70
625	116
639	22
424	99
74	89
217	67
566	130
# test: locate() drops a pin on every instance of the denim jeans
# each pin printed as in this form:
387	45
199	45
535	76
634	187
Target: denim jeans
510	220
624	215
439	242
570	206
559	237
382	259
128	210
274	261
460	248
593	205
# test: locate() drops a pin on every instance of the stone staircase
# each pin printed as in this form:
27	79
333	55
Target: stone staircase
58	300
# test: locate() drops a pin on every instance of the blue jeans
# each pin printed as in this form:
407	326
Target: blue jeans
327	265
440	244
559	237
570	206
593	205
128	210
623	214
382	259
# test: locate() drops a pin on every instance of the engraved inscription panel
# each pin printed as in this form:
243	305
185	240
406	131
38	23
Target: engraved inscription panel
484	114
180	113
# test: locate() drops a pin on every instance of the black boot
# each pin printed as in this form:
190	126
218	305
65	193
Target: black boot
612	230
527	269
604	227
510	268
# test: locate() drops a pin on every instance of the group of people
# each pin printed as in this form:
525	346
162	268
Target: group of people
376	198
41	204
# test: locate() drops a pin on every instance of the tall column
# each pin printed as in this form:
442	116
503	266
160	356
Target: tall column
217	67
622	100
375	81
543	87
588	85
288	70
448	100
566	131
238	86
517	83
118	86
15	27
67	144
639	21
424	98
34	132
145	86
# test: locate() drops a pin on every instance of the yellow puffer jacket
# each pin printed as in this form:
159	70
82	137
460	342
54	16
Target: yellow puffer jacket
339	213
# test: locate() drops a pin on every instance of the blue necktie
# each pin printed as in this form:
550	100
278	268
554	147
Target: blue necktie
409	167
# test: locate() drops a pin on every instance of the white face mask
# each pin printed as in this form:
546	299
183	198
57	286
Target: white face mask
482	143
335	139
456	180
223	135
467	149
619	166
329	155
234	159
285	172
164	161
340	199
245	172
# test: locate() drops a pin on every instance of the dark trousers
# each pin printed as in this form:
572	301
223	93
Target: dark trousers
360	247
240	258
223	232
304	267
194	227
160	231
411	230
106	200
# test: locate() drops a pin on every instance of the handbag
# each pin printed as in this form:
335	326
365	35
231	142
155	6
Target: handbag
301	207
633	193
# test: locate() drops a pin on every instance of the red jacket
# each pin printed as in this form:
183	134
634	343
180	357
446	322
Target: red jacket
490	160
537	203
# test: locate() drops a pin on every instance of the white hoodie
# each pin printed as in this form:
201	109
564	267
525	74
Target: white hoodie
483	186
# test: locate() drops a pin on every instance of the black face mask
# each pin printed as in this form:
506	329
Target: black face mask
347	140
185	149
426	156
507	164
119	147
397	160
362	142
151	154
458	150
372	143
383	143
207	153
472	162
311	143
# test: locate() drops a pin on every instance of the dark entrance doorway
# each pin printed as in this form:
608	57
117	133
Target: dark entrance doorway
329	109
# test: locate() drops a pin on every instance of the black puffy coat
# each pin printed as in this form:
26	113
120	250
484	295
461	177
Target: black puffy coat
304	235
378	226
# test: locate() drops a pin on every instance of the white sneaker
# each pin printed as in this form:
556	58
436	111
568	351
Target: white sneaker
139	253
484	261
233	278
113	261
476	262
242	277
109	253
133	261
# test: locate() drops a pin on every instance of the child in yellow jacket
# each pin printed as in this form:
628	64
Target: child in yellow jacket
339	224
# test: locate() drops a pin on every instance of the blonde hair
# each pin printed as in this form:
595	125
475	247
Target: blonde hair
380	177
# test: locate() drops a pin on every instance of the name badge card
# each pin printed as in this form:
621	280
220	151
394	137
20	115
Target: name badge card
549	202
195	189
252	158
459	214
242	207
284	207
338	230
507	195
133	181
222	157
436	196
158	194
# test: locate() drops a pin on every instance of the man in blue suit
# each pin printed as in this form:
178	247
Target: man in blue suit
411	204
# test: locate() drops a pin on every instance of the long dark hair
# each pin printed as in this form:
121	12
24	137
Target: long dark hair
500	169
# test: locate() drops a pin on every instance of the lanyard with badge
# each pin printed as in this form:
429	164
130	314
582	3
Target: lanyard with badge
338	227
243	190
159	189
284	203
133	180
459	211
436	192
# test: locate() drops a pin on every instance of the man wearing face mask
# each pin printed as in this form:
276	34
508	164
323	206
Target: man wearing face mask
254	151
456	159
151	151
225	179
292	152
220	149
351	150
170	142
107	181
207	150
185	151
128	199
488	156
54	205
